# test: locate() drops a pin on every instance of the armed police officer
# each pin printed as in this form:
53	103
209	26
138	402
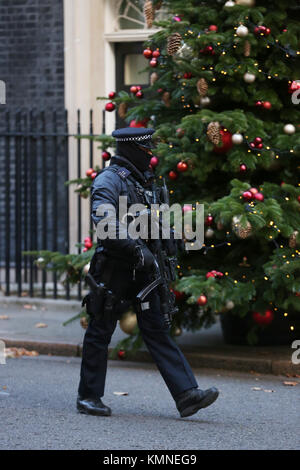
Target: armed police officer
120	269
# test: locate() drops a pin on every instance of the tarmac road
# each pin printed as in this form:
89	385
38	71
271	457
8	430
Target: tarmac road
37	409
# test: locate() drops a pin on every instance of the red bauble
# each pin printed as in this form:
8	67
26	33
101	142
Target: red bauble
263	318
89	172
187	75
106	156
139	94
87	240
138	87
213	27
202	300
156	54
243	167
88	245
268	31
173	175
253	190
93	175
179	132
259	197
298	198
154	162
294	86
260	146
121	354
182	167
147	53
110	107
258	103
227	143
160	90
256	30
247	195
135	123
209	274
187	208
153	63
112	95
133	89
209	220
178	295
258	140
267	105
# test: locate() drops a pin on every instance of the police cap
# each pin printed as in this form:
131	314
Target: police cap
138	135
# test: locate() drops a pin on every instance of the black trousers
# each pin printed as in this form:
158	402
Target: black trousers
170	361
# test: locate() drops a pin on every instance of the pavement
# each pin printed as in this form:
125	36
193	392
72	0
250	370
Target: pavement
20	318
37	408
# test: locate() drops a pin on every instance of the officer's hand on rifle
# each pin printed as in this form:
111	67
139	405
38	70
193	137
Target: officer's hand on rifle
145	261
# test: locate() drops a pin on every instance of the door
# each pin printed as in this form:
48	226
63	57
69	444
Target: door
130	64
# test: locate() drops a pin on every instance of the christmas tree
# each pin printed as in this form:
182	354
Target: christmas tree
227	132
223	101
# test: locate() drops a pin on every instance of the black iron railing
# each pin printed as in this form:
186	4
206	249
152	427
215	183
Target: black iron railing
34	206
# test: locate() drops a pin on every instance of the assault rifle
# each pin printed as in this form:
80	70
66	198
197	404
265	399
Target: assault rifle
164	270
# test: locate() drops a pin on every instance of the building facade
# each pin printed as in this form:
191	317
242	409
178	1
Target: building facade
61	55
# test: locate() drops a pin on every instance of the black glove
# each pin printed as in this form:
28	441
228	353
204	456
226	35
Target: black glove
144	259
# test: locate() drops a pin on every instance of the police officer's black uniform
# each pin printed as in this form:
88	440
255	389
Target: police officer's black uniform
114	263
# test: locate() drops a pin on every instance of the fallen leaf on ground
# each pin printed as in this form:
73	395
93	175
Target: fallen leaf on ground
291	384
41	325
256	388
27	306
18	352
269	391
4	317
119	394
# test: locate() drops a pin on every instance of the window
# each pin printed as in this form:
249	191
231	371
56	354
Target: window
130	15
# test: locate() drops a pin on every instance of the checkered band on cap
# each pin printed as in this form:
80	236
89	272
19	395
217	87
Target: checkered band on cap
141	138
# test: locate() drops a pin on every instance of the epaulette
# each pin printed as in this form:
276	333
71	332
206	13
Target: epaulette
122	172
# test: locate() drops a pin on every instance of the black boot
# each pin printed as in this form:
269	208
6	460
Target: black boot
191	401
92	406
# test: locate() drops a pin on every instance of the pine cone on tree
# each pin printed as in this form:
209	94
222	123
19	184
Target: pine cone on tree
213	132
122	110
241	231
153	78
174	43
166	97
202	87
149	13
293	239
247	49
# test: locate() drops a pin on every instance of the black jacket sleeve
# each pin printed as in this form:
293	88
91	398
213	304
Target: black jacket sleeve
106	189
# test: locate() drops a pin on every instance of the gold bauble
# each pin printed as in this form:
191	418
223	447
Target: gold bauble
86	268
128	322
84	322
177	331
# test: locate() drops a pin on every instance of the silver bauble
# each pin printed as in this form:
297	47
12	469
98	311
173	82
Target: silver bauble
242	31
249	77
237	139
289	129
